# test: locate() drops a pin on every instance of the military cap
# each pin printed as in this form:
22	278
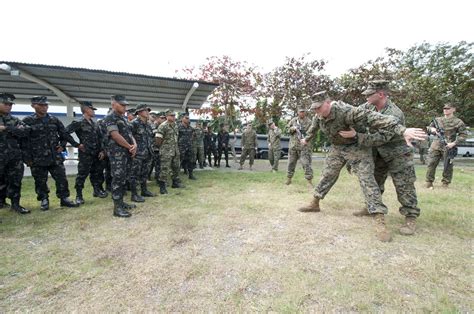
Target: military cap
301	109
120	99
141	107
87	104
7	98
317	99
449	105
170	112
375	86
39	100
131	111
162	114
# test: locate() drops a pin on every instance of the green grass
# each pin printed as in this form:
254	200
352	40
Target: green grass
233	241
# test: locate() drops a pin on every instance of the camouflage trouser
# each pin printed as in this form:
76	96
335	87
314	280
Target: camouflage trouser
120	161
198	153
422	152
304	155
58	172
11	174
434	157
186	157
247	152
170	166
274	155
157	164
403	175
362	165
140	169
89	164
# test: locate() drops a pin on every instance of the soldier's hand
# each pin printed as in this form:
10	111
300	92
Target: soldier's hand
59	149
133	150
2	127
29	163
348	134
102	155
450	145
81	147
303	141
411	134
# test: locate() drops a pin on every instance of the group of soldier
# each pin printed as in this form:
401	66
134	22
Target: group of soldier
371	140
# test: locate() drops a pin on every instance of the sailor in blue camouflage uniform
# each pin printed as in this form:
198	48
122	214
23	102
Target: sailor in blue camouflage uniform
43	152
143	134
12	130
121	148
185	137
90	152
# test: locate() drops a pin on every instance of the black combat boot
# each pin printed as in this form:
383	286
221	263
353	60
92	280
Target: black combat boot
98	192
177	184
19	209
44	204
227	164
128	206
162	185
120	210
66	202
145	191
191	176
135	197
79	198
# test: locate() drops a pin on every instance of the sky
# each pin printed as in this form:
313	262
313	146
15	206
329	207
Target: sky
160	37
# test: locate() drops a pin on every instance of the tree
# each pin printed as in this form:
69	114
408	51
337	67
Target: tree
233	97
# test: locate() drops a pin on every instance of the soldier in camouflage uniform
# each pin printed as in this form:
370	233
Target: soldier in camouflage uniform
249	146
167	139
141	164
454	132
121	148
274	145
208	144
43	152
161	117
104	163
394	157
90	152
337	120
298	126
223	145
12	130
198	145
185	139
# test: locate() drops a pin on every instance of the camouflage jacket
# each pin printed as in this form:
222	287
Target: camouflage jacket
185	137
273	139
302	126
198	140
454	131
45	135
89	135
168	131
143	135
10	138
249	139
396	146
342	117
119	123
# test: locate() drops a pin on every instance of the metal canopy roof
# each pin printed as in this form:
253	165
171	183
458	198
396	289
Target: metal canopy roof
70	85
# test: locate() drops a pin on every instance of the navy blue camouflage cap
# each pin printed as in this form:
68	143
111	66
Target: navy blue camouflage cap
131	111
141	107
7	98
183	115
39	100
375	86
88	104
119	99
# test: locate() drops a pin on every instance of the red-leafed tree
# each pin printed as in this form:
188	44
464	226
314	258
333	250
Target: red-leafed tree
233	97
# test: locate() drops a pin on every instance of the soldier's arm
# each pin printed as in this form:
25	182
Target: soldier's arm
159	135
313	129
73	127
64	136
19	129
462	133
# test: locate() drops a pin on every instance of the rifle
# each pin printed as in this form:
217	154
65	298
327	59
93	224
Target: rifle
452	152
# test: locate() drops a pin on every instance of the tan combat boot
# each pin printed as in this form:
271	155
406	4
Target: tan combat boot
288	181
313	207
445	185
409	227
383	234
429	185
310	184
362	212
